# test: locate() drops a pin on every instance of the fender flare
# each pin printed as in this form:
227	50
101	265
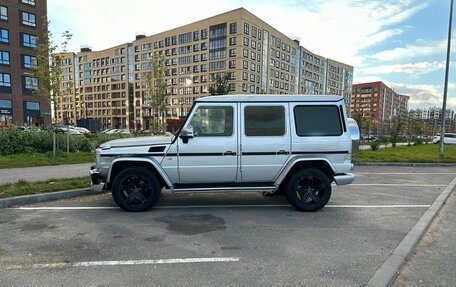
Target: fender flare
152	162
289	166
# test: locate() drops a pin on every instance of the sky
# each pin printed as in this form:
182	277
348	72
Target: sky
400	42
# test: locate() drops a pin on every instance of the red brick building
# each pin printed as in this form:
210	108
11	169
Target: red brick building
378	104
20	27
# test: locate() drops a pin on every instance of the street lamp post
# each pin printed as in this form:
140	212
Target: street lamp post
445	89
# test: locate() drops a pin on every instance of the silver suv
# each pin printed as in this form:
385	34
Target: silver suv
296	145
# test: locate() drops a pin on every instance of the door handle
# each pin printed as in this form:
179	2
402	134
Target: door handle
229	153
282	152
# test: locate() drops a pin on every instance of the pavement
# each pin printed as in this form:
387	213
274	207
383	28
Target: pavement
237	239
434	259
41	173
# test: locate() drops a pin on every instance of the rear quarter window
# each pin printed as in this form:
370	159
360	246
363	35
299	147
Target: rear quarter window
317	120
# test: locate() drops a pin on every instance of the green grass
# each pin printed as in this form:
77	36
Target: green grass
26	188
43	159
428	153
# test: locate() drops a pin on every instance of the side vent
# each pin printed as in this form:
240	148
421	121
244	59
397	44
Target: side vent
156	148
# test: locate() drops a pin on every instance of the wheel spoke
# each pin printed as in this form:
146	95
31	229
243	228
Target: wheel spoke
314	197
126	189
141	197
306	196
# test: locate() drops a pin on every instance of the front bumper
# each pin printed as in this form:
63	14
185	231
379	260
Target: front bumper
342	179
97	180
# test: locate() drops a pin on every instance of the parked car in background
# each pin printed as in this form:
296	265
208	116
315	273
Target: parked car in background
67	129
118	131
82	130
448	138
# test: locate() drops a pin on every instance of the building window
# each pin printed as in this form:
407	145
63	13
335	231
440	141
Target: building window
28	19
29	62
233	28
30	84
29	2
245	53
244	87
4	36
4	58
196	36
5	82
232	41
232	64
6	111
3	13
246	28
204	34
28	40
246	41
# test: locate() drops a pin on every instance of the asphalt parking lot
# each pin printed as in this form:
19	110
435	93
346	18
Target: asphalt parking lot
219	239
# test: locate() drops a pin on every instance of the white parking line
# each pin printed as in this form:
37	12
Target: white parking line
127	262
222	206
404	173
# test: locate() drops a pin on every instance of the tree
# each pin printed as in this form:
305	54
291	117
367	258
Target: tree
396	127
48	69
157	89
221	86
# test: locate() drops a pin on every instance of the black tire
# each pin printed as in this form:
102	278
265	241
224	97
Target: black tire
308	189
136	189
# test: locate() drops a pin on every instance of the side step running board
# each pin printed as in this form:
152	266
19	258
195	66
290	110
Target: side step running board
224	189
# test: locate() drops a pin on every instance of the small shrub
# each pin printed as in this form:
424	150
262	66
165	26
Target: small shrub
374	145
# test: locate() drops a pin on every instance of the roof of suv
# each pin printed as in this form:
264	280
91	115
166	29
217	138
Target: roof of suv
271	98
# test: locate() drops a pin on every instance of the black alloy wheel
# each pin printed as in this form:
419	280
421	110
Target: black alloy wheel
308	190
136	189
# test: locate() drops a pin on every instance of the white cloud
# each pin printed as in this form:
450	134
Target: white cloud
412	51
409	68
337	29
106	23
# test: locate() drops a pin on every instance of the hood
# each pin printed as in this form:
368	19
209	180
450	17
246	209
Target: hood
140	141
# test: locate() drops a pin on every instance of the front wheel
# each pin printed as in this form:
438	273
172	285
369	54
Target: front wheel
308	190
136	189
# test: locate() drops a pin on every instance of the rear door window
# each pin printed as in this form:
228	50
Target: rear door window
264	121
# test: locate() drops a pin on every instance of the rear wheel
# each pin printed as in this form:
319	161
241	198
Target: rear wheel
136	189
308	190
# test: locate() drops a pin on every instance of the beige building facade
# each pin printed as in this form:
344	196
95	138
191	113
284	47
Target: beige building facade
258	58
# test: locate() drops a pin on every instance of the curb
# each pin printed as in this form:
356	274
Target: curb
392	266
405	164
30	199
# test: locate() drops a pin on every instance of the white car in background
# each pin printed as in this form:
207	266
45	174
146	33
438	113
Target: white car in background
82	130
448	138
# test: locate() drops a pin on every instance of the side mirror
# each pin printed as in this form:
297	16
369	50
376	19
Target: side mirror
185	134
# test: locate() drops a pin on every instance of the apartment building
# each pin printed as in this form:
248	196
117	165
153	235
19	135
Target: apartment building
379	104
431	119
257	57
20	28
95	85
320	75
